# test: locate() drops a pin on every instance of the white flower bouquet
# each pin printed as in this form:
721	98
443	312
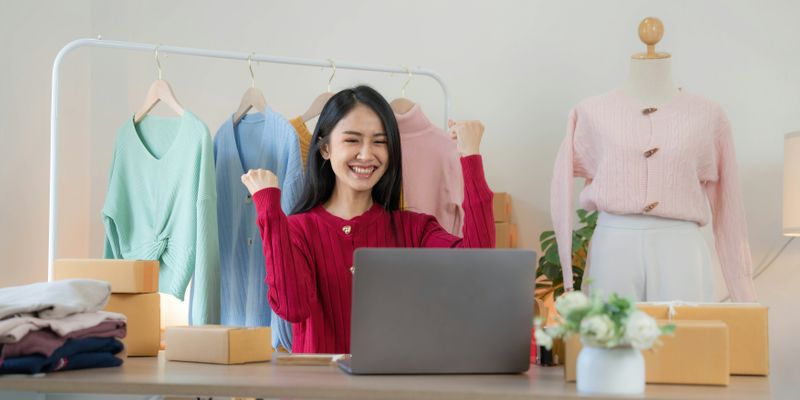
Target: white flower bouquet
605	324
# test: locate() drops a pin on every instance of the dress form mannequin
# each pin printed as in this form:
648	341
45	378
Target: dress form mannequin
658	273
650	77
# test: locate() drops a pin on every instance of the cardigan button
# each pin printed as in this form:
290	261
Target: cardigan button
650	207
648	111
347	229
248	199
649	153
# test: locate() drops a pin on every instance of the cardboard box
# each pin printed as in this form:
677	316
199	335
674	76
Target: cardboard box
218	344
308	359
505	235
125	276
501	207
697	354
559	351
144	321
747	322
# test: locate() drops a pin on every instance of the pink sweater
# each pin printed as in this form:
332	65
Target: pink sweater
670	162
432	182
309	255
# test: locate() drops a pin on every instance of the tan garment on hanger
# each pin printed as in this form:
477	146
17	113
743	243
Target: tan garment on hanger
303	137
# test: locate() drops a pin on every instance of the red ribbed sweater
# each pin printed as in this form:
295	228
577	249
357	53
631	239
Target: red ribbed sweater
309	255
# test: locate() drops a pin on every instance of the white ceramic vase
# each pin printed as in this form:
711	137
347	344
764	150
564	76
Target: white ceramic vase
618	370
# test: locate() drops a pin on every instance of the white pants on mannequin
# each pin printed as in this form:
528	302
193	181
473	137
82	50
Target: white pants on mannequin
649	259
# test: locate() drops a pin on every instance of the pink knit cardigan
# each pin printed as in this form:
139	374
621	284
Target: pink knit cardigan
673	161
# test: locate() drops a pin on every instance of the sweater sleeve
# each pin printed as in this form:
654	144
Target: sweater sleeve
205	298
289	277
729	223
111	245
205	306
291	187
456	183
567	166
292	182
478	215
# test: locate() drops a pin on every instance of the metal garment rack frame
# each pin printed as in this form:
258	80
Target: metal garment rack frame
231	55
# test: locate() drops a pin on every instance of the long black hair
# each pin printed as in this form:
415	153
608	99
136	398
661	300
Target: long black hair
319	176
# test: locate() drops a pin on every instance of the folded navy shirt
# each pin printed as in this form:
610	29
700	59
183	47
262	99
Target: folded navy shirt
74	354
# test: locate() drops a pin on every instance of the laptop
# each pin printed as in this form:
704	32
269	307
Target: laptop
441	311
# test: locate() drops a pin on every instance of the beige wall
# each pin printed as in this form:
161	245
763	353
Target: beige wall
518	66
31	33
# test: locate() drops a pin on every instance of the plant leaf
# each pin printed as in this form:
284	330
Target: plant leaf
551	255
585	232
577	244
591	220
553	272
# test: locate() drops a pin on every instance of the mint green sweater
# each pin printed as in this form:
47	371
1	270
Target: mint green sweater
162	205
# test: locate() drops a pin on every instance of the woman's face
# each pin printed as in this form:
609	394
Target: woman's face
357	150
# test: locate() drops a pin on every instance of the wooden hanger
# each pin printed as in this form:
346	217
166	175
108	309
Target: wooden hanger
651	30
252	98
160	91
402	105
315	109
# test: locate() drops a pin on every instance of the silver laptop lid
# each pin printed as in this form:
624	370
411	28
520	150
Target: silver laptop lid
442	311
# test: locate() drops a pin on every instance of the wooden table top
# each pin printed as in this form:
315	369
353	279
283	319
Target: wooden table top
156	376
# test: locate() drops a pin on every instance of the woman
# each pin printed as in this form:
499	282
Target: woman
351	199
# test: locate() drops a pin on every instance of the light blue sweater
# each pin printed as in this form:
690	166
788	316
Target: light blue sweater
262	140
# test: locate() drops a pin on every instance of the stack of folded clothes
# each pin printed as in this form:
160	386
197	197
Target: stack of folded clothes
56	326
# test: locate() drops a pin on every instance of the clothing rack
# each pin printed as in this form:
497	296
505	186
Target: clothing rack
232	55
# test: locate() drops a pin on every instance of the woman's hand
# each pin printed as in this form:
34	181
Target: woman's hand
257	179
468	134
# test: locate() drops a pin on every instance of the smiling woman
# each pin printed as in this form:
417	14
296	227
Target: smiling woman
353	144
351	200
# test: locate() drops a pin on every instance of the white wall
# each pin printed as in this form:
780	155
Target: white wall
31	33
517	65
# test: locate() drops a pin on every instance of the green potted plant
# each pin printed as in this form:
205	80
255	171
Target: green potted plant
549	277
